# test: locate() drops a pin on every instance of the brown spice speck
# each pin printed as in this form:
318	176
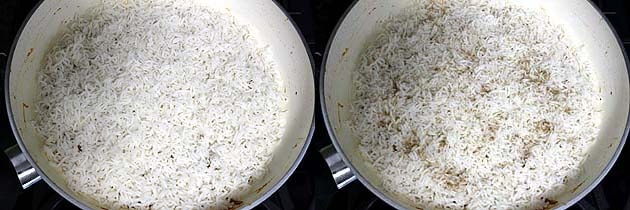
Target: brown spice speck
544	126
441	143
30	51
454	180
553	91
382	123
567	110
485	89
395	86
345	52
409	145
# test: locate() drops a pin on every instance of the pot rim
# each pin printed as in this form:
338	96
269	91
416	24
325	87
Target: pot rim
263	197
397	205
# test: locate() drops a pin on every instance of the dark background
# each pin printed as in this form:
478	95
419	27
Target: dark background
311	186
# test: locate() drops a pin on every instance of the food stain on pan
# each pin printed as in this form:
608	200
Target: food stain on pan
372	10
235	203
263	186
550	204
30	51
54	13
578	186
338	116
345	52
24	107
340	106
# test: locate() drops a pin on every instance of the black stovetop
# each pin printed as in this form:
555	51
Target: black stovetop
311	187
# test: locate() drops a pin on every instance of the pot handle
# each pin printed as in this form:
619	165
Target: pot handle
340	172
24	170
